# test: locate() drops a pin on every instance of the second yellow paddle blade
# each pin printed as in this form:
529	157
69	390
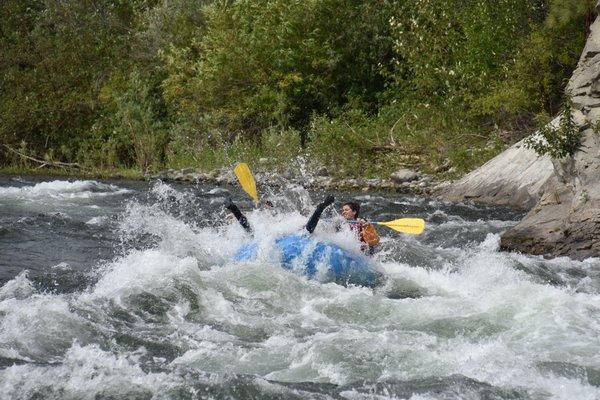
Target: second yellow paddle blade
242	171
414	226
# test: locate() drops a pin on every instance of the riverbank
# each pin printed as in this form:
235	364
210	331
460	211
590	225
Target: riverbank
401	181
120	173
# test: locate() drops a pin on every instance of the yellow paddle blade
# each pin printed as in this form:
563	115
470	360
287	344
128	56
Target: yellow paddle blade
242	171
414	226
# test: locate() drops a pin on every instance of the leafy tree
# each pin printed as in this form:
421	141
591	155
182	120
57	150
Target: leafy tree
563	12
455	49
147	82
56	56
534	81
276	62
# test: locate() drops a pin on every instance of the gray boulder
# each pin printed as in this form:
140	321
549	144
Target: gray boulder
404	175
515	177
322	171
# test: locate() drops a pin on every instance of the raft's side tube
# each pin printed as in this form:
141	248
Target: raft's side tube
315	259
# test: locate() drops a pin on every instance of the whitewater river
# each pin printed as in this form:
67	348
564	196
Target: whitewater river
127	290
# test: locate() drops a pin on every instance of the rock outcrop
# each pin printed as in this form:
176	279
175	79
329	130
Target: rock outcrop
516	178
565	220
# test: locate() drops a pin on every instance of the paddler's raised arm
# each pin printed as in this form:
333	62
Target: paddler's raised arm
316	215
238	214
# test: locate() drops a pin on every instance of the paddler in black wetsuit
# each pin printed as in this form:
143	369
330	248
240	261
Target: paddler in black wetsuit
310	225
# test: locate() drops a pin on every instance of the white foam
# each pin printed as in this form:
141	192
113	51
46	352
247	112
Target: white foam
479	315
482	287
62	190
175	236
40	327
85	373
166	193
97	221
142	271
20	287
491	243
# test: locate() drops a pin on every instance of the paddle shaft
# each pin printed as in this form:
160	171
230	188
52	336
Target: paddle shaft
413	226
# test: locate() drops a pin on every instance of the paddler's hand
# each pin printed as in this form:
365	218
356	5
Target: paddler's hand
328	200
227	203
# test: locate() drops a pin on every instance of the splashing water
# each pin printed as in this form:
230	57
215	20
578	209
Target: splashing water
124	290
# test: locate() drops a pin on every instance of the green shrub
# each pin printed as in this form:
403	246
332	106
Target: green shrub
135	133
279	148
561	141
402	135
364	87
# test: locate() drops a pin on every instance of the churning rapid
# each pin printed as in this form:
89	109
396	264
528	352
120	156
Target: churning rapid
127	290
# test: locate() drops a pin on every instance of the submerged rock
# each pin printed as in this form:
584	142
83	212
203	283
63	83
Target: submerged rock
322	171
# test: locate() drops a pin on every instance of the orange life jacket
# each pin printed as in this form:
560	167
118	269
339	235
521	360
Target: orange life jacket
369	235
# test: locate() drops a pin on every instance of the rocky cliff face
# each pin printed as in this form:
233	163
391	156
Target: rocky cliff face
516	177
565	218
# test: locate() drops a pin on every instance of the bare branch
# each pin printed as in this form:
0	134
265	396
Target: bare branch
44	162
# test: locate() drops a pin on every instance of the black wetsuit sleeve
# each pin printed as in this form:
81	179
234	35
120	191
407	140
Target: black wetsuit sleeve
239	216
316	215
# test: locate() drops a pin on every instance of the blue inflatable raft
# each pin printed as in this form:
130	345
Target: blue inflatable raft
316	259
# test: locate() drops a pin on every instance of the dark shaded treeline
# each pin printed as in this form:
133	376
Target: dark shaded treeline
361	86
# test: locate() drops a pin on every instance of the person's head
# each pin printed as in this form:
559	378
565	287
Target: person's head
267	204
350	210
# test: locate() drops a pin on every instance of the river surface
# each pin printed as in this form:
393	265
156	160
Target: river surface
127	290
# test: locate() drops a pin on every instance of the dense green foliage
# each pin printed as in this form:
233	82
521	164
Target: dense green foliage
361	86
55	56
274	64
